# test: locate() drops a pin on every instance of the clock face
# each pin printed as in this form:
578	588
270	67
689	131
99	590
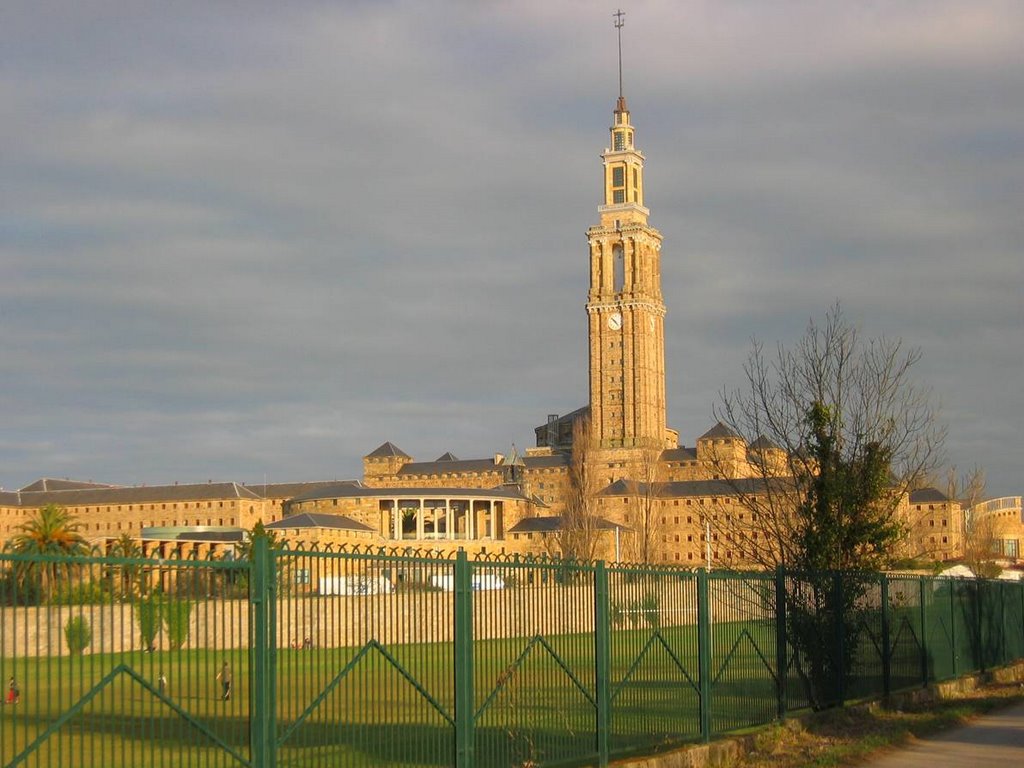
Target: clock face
615	321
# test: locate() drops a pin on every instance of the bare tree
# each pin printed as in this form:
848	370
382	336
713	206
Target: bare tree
578	535
980	537
647	481
841	434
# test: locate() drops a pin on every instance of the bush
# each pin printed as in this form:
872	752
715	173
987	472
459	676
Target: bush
20	591
78	634
649	606
148	616
83	593
176	614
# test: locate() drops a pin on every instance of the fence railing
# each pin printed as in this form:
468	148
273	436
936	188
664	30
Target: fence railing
306	658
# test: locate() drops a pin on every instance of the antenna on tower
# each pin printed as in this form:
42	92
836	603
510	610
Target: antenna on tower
620	20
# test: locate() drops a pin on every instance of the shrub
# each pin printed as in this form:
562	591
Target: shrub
176	614
82	593
649	607
25	590
148	616
78	634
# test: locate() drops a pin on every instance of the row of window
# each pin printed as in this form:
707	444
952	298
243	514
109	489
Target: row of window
142	507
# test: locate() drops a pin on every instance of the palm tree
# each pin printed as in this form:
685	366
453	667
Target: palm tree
52	532
127	548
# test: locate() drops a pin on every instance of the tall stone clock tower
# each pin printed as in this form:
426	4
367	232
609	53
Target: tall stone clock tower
624	306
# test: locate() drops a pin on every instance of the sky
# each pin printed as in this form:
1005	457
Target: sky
254	240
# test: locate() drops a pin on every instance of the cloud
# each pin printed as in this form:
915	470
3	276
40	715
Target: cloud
238	241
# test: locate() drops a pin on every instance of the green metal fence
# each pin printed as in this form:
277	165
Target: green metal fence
348	658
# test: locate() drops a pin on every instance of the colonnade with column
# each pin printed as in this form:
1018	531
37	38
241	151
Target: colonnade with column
442	519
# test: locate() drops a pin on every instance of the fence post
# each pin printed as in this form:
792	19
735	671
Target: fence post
886	650
704	653
463	646
261	703
602	659
781	656
840	627
979	624
1002	623
953	584
923	593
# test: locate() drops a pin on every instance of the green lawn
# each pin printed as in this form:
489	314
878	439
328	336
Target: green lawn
381	711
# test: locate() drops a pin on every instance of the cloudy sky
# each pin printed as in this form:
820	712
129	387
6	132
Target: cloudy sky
248	240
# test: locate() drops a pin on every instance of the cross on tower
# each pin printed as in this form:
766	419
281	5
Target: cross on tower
620	17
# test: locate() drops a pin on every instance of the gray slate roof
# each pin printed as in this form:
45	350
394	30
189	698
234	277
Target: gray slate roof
366	492
687	488
718	431
146	494
925	495
387	450
764	444
553	523
318	520
461	466
289	490
50	484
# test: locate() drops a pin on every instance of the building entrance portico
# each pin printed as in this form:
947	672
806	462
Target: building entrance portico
441	518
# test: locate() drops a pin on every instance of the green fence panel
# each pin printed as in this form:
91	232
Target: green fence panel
365	659
654	688
744	645
1013	621
312	657
123	661
534	662
940	633
906	633
867	644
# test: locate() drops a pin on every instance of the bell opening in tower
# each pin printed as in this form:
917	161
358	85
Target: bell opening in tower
618	269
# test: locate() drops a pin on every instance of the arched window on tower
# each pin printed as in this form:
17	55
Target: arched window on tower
618	269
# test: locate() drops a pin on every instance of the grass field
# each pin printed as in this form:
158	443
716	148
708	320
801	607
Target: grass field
393	706
534	698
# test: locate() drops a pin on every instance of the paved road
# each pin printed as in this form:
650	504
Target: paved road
995	740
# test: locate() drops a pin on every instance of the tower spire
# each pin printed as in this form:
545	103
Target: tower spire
620	21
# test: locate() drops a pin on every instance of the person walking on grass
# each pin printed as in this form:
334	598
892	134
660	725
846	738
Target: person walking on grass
13	694
225	681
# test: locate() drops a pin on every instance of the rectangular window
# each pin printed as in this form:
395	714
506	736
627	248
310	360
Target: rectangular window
619	184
